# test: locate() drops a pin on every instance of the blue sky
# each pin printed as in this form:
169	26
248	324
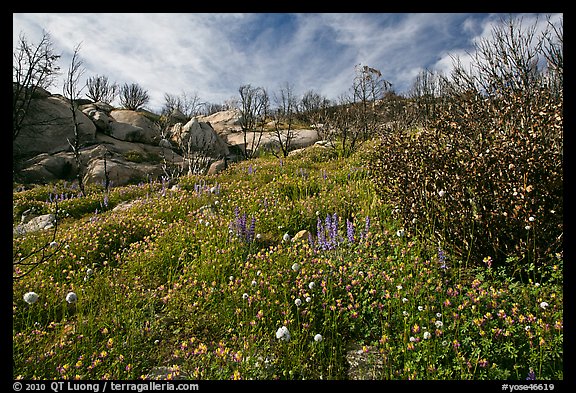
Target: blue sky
213	54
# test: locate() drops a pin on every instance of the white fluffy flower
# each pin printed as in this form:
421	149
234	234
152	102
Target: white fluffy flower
53	244
311	284
308	299
427	335
283	333
400	232
298	302
295	267
318	338
439	324
30	297
89	273
245	296
286	237
71	297
441	193
544	305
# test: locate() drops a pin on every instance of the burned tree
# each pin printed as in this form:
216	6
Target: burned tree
254	106
72	93
34	68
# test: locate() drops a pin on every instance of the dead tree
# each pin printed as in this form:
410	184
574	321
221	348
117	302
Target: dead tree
284	118
34	67
254	106
72	93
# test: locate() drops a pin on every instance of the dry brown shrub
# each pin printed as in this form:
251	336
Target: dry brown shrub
474	180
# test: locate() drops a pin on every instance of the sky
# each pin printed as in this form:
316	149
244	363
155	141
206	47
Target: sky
212	54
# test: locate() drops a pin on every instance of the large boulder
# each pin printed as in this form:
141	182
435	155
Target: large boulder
217	167
224	122
132	126
120	172
49	126
39	223
121	165
99	115
200	136
259	142
45	167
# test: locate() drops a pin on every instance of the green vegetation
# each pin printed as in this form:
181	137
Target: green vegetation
201	281
429	249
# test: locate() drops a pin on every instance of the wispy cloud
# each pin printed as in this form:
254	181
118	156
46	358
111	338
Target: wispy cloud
214	54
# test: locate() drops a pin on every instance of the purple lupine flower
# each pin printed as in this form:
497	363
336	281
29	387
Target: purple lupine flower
251	230
366	228
531	376
326	232
321	235
242	224
334	228
442	258
239	226
310	240
350	231
250	169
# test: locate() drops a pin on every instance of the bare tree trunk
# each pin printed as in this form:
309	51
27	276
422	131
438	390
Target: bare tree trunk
72	93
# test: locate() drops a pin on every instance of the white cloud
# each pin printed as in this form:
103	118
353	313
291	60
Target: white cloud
214	54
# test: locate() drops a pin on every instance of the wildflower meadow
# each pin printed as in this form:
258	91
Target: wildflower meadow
292	268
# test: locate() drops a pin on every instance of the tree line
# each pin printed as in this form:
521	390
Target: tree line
514	58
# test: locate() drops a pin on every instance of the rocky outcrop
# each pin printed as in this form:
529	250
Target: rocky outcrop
49	127
134	147
299	139
126	162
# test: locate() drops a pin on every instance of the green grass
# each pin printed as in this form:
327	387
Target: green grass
176	282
